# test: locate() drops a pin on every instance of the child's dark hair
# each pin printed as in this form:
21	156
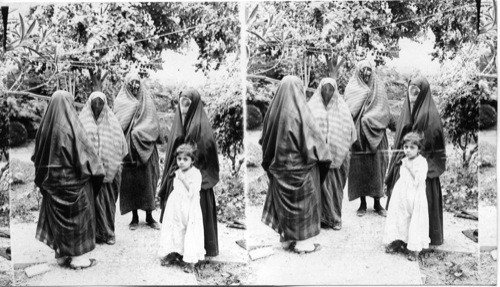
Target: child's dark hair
414	138
188	149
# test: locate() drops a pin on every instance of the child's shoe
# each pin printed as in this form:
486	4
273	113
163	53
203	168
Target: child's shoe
189	268
169	259
412	255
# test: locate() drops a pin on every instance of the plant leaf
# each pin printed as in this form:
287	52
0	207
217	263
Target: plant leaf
31	28
23	29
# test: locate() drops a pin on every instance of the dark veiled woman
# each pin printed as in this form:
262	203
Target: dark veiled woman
421	115
191	125
136	112
68	172
296	159
367	100
104	131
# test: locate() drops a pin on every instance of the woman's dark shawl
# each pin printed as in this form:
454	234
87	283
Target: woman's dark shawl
196	129
425	119
64	157
290	138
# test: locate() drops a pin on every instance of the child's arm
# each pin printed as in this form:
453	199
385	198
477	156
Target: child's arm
419	170
192	185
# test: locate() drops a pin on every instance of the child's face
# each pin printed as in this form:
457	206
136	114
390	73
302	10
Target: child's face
411	150
184	161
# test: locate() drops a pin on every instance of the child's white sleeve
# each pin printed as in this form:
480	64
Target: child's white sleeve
195	182
420	170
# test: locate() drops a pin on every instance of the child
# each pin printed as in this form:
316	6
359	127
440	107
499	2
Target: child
182	228
408	219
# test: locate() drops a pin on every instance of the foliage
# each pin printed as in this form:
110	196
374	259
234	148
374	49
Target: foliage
18	133
461	115
303	38
93	45
215	41
230	196
4	195
488	173
487	116
254	117
225	111
4	128
459	185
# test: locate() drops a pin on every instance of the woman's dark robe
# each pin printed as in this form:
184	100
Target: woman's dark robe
296	159
424	119
67	171
139	121
370	110
196	129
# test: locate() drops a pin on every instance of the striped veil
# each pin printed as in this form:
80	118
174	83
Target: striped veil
106	135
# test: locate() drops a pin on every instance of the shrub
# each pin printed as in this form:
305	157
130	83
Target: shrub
227	122
230	196
254	117
487	116
18	133
459	184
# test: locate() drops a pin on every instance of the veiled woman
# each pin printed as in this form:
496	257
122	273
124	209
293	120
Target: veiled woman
334	120
191	125
421	115
68	172
104	131
367	100
136	112
296	159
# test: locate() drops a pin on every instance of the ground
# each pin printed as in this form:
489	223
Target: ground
131	261
356	249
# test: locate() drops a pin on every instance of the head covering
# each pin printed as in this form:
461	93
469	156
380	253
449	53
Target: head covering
334	122
424	119
290	138
106	135
195	129
64	157
138	119
369	107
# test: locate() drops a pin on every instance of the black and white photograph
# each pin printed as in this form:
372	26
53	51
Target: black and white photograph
362	141
249	143
126	135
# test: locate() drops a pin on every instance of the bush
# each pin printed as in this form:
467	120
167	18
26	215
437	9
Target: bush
227	122
459	184
487	116
254	117
18	133
230	196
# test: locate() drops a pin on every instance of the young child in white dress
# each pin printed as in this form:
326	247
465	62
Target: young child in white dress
408	218
182	238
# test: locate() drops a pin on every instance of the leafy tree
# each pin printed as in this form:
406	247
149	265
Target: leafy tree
96	44
225	111
315	39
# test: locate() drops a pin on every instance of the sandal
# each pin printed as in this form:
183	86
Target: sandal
317	247
361	212
290	246
93	263
64	261
133	226
154	225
